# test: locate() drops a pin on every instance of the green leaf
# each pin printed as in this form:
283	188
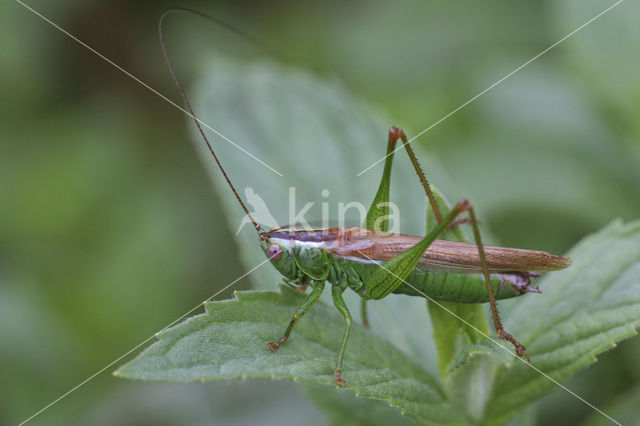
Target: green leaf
344	409
229	342
583	311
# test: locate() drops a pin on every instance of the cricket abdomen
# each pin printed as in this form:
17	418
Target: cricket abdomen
439	284
465	287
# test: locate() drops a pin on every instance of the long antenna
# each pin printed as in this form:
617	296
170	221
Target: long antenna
188	105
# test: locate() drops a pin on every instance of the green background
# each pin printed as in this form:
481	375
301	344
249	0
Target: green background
110	228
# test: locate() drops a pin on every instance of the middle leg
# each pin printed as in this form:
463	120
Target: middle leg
364	314
338	300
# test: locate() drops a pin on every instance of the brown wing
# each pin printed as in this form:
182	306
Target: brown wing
362	243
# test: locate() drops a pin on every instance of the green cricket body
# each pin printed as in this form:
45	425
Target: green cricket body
448	271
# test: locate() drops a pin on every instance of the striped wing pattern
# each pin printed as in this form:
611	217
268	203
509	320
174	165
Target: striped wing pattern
362	243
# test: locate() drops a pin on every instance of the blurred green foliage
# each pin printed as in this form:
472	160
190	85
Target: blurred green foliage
109	229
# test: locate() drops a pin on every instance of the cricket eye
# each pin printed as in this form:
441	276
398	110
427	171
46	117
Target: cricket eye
274	252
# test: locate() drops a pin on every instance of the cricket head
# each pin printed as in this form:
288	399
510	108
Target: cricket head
280	252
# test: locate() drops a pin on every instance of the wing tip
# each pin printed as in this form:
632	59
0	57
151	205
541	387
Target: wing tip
557	263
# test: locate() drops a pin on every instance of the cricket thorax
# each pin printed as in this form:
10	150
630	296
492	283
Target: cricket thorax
309	253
